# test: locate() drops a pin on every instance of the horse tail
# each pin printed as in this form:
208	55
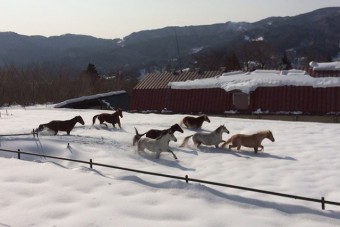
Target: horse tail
226	142
94	119
137	137
185	141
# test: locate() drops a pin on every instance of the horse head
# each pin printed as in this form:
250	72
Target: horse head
172	137
80	120
167	134
270	136
120	112
206	118
175	128
221	129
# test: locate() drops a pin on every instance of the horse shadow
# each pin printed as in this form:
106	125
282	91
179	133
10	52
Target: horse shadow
218	150
107	128
252	154
169	163
192	151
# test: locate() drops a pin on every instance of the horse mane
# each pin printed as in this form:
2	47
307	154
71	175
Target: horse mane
176	127
264	132
163	133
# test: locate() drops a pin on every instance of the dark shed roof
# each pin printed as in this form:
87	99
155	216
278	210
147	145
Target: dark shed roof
161	80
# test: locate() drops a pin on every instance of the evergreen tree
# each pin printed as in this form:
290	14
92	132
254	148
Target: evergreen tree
285	63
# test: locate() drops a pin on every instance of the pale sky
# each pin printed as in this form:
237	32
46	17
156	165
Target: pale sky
117	19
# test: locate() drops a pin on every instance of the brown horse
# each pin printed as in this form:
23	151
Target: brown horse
194	122
155	133
110	118
66	126
253	140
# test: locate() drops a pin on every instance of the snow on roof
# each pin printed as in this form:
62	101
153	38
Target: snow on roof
247	82
90	97
332	66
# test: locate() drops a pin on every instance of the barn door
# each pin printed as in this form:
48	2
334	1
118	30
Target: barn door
241	101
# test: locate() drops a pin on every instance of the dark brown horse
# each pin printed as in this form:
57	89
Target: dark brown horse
155	133
194	122
66	126
110	118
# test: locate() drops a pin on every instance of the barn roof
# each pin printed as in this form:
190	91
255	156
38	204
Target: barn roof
247	82
161	80
88	98
329	66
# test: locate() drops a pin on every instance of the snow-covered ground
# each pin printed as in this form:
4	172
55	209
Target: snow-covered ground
304	160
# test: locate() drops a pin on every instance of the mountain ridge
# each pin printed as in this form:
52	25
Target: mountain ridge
317	30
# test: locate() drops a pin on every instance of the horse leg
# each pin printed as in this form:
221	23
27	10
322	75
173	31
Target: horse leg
175	157
232	145
102	122
158	154
261	147
55	132
255	149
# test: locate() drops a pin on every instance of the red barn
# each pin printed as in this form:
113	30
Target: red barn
154	94
266	91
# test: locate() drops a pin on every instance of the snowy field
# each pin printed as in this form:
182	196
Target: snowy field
304	160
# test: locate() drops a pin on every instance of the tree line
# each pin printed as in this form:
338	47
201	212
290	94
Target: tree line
39	85
252	55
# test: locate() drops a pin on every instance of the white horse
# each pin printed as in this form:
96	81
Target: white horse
212	138
161	144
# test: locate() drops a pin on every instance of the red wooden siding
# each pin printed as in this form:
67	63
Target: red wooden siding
292	98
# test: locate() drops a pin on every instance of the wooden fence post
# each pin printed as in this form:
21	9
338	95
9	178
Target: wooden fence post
186	179
18	153
91	163
323	203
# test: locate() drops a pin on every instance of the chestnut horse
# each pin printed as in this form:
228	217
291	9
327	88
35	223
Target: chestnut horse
212	138
194	122
110	118
252	141
66	126
155	133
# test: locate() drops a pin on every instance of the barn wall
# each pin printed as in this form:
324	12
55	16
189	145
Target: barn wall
148	99
292	98
213	100
216	101
182	101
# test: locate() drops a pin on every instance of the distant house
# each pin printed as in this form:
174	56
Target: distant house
268	91
110	100
324	69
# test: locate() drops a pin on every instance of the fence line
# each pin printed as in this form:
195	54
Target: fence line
34	133
186	178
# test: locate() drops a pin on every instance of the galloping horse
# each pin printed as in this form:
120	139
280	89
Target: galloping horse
110	118
194	122
67	125
161	144
253	141
155	133
212	138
